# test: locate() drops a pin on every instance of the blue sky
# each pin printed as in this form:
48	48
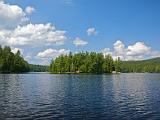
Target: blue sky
117	27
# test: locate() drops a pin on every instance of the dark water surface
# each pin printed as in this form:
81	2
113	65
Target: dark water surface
67	97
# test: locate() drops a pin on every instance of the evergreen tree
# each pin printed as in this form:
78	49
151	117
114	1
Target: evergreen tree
82	62
10	62
117	65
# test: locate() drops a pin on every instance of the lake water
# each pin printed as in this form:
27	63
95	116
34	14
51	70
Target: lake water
67	97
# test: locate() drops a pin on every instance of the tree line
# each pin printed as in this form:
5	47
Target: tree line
12	63
85	62
82	62
150	66
38	68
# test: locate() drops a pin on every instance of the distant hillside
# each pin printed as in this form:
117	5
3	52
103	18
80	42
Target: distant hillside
38	68
153	60
150	65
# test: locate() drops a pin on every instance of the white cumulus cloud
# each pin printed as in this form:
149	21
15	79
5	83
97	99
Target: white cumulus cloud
137	51
52	53
119	47
33	34
11	15
29	9
79	42
91	31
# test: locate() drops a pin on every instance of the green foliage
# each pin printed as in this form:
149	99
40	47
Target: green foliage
12	63
38	68
151	66
83	62
117	65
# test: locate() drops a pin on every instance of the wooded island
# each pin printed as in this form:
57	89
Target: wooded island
85	62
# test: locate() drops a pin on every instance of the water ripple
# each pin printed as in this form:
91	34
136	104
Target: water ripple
48	97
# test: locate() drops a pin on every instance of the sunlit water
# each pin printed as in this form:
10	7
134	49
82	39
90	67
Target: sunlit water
67	97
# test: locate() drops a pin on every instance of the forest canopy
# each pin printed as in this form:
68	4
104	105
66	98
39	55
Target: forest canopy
150	66
85	62
12	63
38	68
